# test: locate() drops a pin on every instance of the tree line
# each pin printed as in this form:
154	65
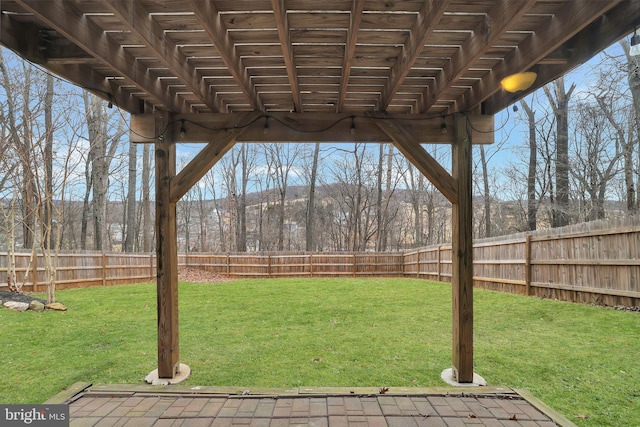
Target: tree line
70	179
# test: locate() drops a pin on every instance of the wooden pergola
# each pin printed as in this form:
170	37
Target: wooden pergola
387	71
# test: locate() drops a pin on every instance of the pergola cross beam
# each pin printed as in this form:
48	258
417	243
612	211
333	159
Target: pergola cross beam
220	143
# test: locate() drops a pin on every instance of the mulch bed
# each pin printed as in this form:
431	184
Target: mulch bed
18	297
196	275
623	308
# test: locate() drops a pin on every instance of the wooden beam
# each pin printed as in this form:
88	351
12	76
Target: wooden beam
64	17
349	50
137	20
573	18
282	23
462	254
408	145
208	156
614	25
210	19
426	22
313	127
482	39
166	252
23	39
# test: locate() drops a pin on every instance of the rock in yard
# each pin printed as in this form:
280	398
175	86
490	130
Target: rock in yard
58	306
36	305
16	306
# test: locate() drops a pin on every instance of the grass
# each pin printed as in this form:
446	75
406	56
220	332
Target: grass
581	360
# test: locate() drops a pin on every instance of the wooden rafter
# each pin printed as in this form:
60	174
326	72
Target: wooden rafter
424	26
282	23
209	17
13	34
486	33
137	20
432	57
574	17
349	51
617	23
66	19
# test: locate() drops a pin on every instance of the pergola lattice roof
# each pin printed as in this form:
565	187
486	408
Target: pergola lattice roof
398	56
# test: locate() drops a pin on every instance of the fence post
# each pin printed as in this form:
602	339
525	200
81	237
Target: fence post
527	264
438	266
269	265
104	269
228	266
311	264
151	278
354	265
34	273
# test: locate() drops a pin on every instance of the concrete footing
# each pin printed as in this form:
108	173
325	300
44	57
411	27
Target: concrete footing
448	377
184	372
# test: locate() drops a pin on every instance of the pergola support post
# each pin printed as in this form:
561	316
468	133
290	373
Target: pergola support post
462	255
169	371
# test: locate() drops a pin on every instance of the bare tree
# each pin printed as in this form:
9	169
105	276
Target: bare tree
238	166
559	102
203	239
102	150
532	203
485	193
131	229
311	204
211	185
352	193
147	224
30	144
415	183
185	219
622	134
384	195
281	159
633	80
19	112
596	157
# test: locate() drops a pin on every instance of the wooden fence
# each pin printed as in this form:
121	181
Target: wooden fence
317	264
80	270
587	263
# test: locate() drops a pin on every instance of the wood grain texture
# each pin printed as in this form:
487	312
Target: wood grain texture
166	252
433	56
462	254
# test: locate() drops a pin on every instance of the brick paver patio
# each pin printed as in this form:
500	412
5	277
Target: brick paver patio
173	406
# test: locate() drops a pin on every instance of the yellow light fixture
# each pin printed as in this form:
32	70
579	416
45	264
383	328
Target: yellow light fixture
519	81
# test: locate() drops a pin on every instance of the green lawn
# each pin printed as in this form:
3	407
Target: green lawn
581	360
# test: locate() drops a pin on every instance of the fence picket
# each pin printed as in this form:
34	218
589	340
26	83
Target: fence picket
581	265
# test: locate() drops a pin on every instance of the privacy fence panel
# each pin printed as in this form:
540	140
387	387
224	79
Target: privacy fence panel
78	270
591	263
600	267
